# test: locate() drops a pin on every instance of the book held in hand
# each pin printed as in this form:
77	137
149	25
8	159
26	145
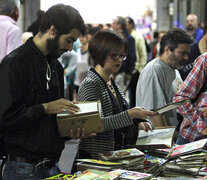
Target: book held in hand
171	106
159	138
88	117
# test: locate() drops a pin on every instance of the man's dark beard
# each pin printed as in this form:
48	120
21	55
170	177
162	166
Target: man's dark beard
189	28
53	47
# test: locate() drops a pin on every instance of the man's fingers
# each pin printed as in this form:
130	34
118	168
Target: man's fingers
71	110
75	135
83	134
71	134
78	133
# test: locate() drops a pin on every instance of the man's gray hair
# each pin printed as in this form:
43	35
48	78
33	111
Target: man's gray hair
7	6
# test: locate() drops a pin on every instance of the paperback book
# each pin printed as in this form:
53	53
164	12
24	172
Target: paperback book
196	146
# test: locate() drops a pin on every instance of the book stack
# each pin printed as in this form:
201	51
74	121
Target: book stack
84	164
131	159
152	165
126	174
94	174
162	153
187	159
91	174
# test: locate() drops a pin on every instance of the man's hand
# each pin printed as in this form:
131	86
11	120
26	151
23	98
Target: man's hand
80	133
204	112
204	132
60	105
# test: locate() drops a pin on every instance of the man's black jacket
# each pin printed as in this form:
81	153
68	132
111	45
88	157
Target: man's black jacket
29	132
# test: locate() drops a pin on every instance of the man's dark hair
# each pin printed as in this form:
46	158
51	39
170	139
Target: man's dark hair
131	21
105	42
40	14
173	38
64	18
93	30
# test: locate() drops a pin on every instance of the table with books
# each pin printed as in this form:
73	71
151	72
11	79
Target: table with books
187	161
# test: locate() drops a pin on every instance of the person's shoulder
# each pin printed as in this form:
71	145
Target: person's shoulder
91	77
199	30
131	38
152	68
202	58
155	64
194	45
17	56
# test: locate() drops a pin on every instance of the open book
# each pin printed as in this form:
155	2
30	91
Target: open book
161	137
88	117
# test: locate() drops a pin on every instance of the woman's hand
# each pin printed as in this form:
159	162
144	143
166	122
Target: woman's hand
145	126
140	112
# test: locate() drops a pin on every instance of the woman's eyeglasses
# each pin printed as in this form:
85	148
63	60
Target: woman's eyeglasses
118	56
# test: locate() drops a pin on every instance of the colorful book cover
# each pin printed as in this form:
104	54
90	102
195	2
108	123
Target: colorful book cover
188	148
134	175
99	162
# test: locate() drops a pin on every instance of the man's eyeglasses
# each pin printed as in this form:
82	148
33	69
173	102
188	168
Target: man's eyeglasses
118	56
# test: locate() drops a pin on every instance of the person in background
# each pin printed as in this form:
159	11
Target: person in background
141	54
69	63
108	50
32	94
124	75
152	43
160	79
26	36
196	50
192	27
156	47
107	26
92	31
34	27
10	33
82	65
